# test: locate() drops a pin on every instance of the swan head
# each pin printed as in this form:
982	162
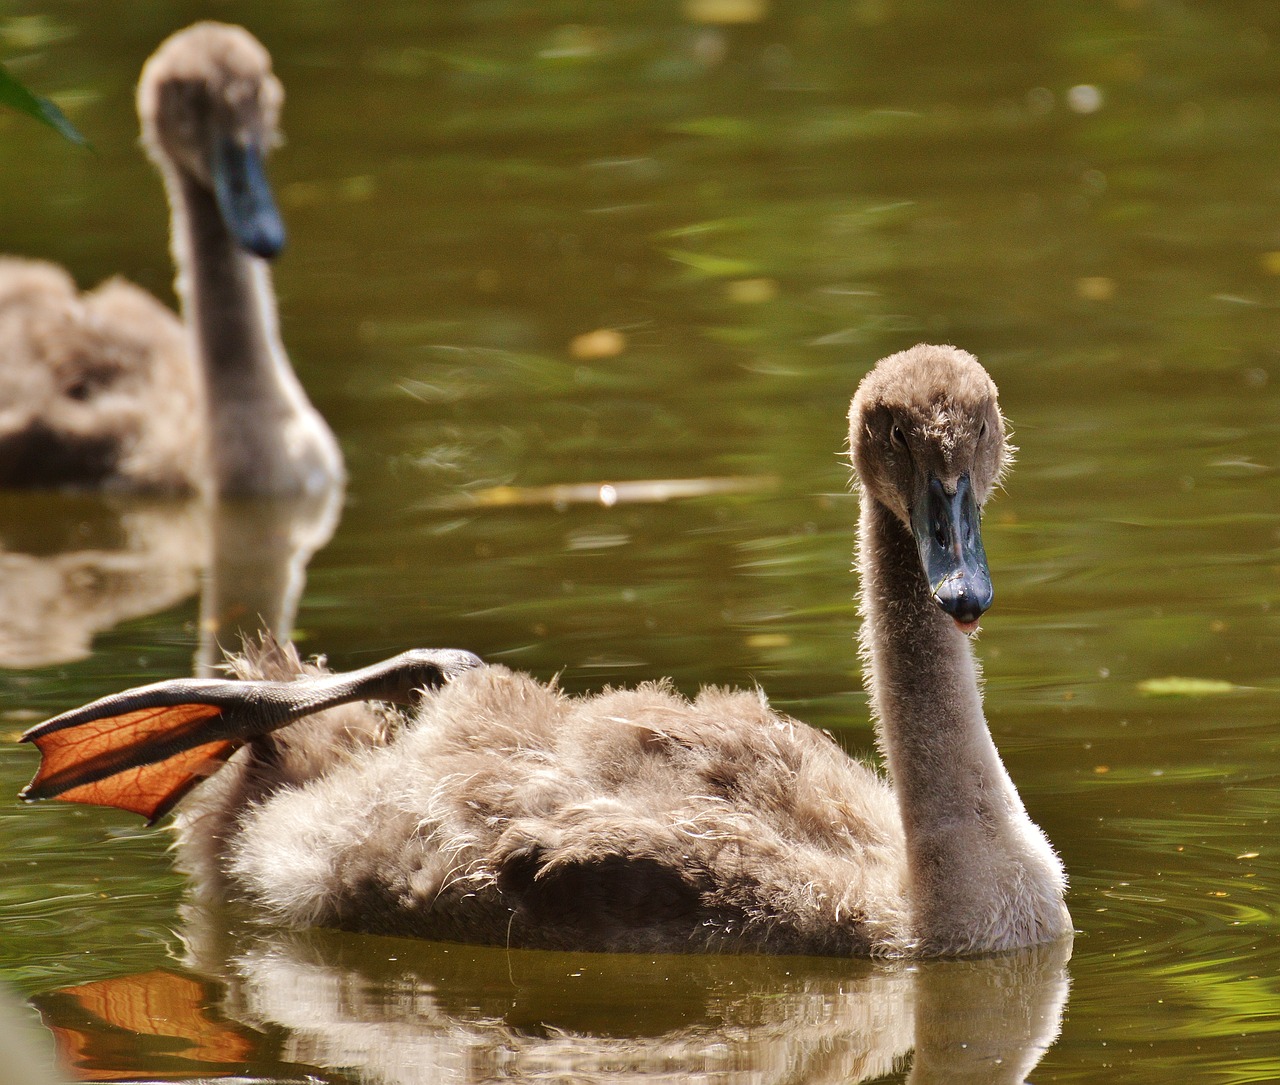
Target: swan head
209	106
928	443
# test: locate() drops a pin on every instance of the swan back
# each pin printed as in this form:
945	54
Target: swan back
95	388
507	811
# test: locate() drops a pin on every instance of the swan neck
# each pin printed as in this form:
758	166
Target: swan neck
265	436
924	678
981	874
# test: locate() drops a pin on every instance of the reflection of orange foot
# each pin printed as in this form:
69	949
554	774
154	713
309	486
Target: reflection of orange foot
102	1028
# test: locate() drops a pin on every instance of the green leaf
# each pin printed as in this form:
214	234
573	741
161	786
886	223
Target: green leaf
1184	687
16	96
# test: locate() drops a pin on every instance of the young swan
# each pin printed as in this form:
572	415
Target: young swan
507	812
103	389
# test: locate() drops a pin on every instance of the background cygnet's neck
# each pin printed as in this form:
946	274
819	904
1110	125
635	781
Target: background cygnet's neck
265	436
982	876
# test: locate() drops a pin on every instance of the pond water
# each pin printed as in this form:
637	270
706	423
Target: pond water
747	202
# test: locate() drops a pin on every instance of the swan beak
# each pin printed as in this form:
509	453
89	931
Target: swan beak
948	536
245	200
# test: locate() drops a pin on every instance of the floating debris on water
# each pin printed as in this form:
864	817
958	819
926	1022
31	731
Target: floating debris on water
608	494
1185	687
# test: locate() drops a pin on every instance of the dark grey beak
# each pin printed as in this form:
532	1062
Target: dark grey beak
244	198
948	536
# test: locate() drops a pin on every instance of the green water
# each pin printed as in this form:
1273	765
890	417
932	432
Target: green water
759	211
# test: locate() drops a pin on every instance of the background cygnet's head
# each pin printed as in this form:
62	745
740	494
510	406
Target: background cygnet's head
210	106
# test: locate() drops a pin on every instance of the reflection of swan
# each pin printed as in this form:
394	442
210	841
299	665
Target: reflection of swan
94	563
404	1013
25	1057
98	390
71	568
260	550
635	820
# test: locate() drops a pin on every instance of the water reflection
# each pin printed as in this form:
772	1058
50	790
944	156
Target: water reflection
260	551
72	567
383	1010
25	1059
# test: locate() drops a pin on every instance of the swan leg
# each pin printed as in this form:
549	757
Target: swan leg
142	750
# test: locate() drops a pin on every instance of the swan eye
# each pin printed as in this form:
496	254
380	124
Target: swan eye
897	436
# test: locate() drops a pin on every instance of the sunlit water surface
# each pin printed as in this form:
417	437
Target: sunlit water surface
748	213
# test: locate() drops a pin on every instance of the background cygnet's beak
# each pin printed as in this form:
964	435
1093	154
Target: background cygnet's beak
245	200
948	536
